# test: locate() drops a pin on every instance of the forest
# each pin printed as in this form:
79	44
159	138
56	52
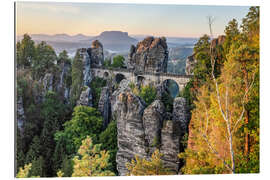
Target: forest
60	138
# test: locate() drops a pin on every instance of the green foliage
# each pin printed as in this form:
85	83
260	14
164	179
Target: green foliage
85	121
238	72
91	160
148	93
67	167
143	167
25	52
53	112
167	100
37	168
24	172
63	58
118	62
44	60
34	150
107	63
96	87
108	141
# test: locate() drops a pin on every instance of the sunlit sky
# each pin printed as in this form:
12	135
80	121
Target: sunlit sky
94	18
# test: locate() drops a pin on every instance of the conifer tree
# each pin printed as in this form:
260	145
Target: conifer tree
91	160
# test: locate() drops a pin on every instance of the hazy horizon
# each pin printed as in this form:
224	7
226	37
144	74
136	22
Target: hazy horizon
91	19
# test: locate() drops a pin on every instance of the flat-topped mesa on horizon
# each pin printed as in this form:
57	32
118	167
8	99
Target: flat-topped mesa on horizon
150	55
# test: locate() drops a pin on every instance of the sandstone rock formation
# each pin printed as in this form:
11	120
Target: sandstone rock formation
152	123
190	64
20	113
217	41
180	115
130	131
48	82
150	55
86	98
104	105
90	57
143	129
63	86
96	53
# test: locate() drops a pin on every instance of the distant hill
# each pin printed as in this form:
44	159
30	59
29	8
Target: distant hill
116	40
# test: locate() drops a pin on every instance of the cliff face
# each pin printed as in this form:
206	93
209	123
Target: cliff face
191	61
90	57
128	111
150	55
190	64
96	53
20	113
104	105
141	130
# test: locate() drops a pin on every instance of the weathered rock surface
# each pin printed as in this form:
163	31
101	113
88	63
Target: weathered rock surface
170	145
143	129
20	113
190	64
152	123
130	131
180	115
63	86
104	105
48	82
150	55
218	41
123	87
96	53
90	57
172	133
86	98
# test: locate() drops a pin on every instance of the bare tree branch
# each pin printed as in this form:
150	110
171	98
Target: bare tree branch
216	153
243	104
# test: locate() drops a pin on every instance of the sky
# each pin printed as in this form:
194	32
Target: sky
136	19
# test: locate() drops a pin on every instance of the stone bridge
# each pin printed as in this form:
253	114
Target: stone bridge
140	77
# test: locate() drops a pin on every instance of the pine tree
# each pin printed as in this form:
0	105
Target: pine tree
142	167
91	160
25	52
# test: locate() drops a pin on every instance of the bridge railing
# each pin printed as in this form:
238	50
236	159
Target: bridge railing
142	73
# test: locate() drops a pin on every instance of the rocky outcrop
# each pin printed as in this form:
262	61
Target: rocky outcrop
141	130
172	133
180	115
191	61
123	87
96	53
90	57
64	84
20	113
130	131
152	123
48	82
104	105
86	98
190	64
218	41
150	55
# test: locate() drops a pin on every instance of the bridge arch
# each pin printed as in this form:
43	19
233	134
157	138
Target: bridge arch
140	80
105	74
119	77
172	86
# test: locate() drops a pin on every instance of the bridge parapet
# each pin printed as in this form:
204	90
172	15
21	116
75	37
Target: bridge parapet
146	77
143	73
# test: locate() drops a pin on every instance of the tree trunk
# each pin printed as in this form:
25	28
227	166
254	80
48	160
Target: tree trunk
246	150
